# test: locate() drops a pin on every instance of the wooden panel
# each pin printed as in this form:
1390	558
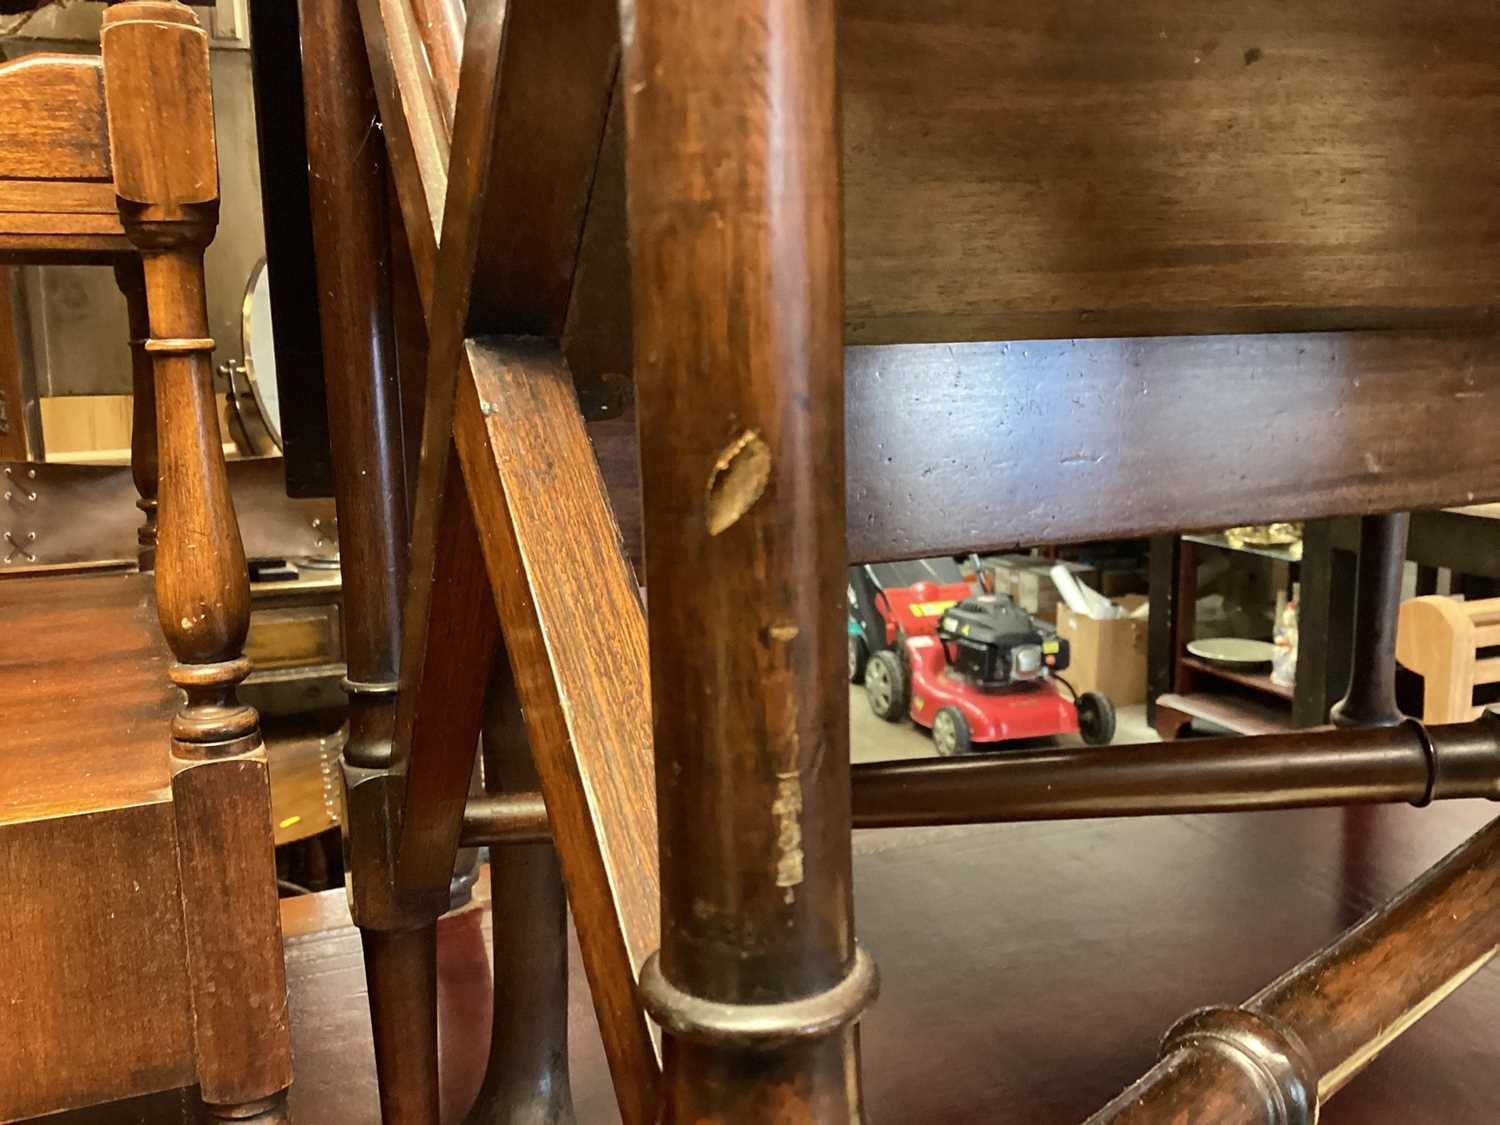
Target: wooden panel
576	636
223	815
986	446
85	725
54	107
1015	170
93	989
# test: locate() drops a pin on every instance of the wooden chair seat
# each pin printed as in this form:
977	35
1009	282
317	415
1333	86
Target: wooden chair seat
88	841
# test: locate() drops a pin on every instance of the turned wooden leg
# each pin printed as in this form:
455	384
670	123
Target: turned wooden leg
131	279
526	1081
166	180
1371	698
735	255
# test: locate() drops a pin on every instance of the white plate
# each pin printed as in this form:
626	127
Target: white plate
1239	651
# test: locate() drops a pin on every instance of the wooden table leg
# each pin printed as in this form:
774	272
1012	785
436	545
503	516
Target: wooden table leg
735	242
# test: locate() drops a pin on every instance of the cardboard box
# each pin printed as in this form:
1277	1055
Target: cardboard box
1032	588
1106	656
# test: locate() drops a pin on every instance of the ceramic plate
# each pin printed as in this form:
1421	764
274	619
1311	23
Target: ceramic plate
1239	651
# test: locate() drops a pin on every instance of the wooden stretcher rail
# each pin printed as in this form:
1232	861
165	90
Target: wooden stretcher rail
505	818
1294	1044
1408	763
964	447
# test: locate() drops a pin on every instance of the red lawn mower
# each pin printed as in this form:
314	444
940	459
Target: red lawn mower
971	667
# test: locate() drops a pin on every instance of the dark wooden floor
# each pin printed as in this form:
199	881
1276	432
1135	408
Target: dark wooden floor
1028	970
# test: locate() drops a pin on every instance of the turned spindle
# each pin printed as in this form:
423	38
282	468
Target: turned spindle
144	469
161	137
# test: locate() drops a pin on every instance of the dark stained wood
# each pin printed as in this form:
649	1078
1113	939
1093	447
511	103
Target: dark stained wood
1337	1010
989	446
351	237
576	637
401	968
1371	698
1292	770
225	855
558	66
416	127
442	722
526	1078
732	168
1020	171
97	1005
441	25
144	466
962	917
12	396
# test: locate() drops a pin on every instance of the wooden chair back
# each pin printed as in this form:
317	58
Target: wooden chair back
1441	639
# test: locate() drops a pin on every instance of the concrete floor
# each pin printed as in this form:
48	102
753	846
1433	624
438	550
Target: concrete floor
874	740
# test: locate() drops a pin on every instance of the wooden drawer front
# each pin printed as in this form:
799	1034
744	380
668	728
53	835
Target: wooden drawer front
294	637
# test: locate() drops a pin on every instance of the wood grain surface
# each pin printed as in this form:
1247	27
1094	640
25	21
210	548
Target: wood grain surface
732	170
1036	965
55	104
576	637
990	445
94	1000
1017	171
63	702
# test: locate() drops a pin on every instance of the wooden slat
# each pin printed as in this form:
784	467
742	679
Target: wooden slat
576	635
986	446
1487	671
415	127
1016	170
61	196
559	68
53	106
438	722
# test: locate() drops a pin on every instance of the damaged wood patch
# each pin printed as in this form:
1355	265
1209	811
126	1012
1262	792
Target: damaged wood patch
738	479
787	809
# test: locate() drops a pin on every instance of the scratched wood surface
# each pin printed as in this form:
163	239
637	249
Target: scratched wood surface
950	448
1035	966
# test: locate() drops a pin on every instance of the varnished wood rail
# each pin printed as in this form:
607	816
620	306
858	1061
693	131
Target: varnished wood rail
1294	1044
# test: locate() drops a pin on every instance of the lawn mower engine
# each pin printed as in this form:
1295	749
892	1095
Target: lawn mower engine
993	643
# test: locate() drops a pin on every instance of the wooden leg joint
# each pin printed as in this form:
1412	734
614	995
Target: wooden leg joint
760	1026
372	822
1273	1054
